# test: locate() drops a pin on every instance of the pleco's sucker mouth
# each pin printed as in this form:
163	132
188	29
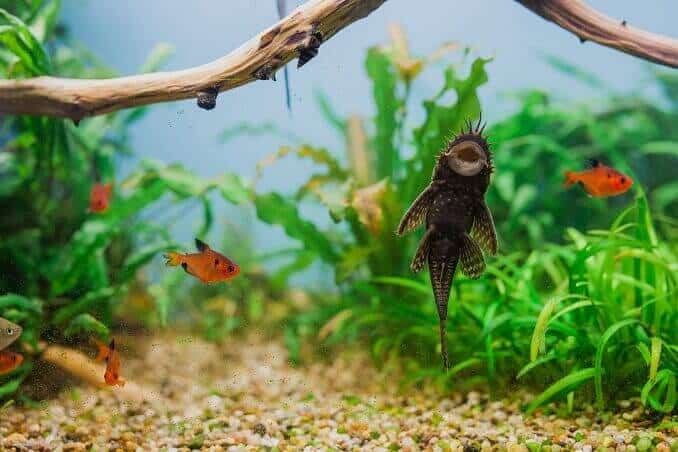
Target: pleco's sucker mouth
466	158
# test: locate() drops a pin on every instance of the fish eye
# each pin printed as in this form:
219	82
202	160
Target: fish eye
231	268
623	180
10	331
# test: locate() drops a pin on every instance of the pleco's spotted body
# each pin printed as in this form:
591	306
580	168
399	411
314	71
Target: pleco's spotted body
458	222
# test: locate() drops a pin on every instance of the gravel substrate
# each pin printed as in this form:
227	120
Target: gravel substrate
245	396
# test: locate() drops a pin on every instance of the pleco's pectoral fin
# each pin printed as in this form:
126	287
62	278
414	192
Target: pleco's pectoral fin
420	256
417	211
442	262
471	258
483	231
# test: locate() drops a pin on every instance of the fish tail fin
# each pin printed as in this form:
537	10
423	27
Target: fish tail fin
172	259
102	353
570	179
443	344
442	263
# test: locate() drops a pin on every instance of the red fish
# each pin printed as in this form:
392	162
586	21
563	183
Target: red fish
599	180
109	354
100	197
207	265
9	361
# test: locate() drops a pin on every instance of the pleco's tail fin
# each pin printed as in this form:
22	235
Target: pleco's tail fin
443	344
442	261
172	259
569	179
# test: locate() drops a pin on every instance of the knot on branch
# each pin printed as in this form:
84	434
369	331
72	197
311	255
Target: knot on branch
310	44
268	70
207	99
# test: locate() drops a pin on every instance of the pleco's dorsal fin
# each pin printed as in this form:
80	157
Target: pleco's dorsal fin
202	246
593	163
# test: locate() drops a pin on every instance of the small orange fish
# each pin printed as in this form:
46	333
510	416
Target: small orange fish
109	354
100	197
9	361
599	180
207	265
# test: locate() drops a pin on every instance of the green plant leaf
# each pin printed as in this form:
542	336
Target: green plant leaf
15	301
87	302
561	387
273	209
600	350
384	80
86	323
18	39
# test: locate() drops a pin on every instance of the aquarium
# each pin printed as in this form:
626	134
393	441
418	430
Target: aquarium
338	225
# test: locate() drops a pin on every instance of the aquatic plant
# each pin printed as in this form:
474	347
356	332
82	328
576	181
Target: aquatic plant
532	315
65	271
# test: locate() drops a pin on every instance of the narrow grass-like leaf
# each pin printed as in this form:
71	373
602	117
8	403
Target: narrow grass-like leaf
86	323
534	364
403	282
655	355
560	387
600	350
538	342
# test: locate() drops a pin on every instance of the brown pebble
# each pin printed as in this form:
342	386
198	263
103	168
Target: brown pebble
259	429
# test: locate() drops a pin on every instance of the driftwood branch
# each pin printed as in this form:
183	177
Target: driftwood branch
588	24
298	35
79	365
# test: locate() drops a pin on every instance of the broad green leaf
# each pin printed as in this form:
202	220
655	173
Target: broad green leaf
144	255
9	301
44	20
273	209
18	39
661	147
234	189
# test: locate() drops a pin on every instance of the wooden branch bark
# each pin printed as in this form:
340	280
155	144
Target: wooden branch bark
588	24
79	365
298	35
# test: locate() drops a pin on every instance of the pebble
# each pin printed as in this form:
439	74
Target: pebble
259	402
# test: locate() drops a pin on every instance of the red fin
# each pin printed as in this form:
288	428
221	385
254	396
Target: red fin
103	353
569	179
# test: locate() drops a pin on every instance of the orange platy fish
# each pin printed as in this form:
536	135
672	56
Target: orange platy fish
9	361
207	265
100	197
599	180
109	354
